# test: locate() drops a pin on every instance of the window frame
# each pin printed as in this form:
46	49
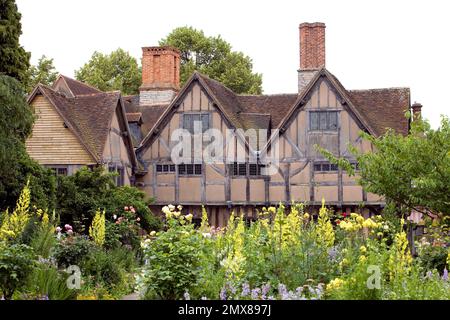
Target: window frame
160	168
186	172
332	168
317	116
201	115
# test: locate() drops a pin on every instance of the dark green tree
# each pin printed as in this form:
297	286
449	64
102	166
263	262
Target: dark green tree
115	71
213	56
44	72
14	60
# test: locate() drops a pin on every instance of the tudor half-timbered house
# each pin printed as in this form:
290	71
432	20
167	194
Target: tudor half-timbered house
323	112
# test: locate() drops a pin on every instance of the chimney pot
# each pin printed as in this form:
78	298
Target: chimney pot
416	110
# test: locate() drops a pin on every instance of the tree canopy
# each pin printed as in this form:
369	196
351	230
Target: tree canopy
115	71
411	171
44	72
213	56
14	60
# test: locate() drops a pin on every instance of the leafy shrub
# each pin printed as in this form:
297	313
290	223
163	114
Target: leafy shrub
433	258
16	262
85	192
46	281
73	250
173	260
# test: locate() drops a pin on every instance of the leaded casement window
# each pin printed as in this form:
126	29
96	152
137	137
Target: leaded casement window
119	178
190	169
323	120
59	171
190	119
325	167
165	168
241	169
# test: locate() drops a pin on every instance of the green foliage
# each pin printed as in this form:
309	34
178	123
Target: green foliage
73	250
46	281
213	56
412	171
119	198
285	255
83	193
44	73
16	117
43	240
433	258
16	262
14	60
173	260
115	71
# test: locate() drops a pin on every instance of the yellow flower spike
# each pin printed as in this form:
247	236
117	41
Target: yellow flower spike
362	258
363	249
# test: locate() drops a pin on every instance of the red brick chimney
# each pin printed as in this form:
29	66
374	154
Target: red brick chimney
160	75
312	46
312	52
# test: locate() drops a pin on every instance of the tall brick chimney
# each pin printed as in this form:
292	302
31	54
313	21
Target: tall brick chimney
160	75
312	51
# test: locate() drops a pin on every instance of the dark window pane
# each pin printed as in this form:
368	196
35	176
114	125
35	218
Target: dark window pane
165	168
62	171
334	167
253	169
242	169
205	122
332	120
314	120
317	167
181	168
323	121
172	168
187	122
189	169
198	169
325	167
158	168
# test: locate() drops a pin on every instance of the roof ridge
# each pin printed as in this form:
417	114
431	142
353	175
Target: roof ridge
267	95
379	89
81	82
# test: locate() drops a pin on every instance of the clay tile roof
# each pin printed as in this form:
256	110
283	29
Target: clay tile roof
227	99
277	105
150	114
383	108
134	117
78	87
88	115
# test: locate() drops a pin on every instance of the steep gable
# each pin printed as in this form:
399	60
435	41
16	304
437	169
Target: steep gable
52	141
71	87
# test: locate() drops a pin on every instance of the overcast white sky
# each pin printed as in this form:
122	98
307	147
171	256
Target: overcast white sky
370	44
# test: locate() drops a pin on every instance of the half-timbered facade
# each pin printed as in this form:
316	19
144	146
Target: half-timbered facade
281	164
